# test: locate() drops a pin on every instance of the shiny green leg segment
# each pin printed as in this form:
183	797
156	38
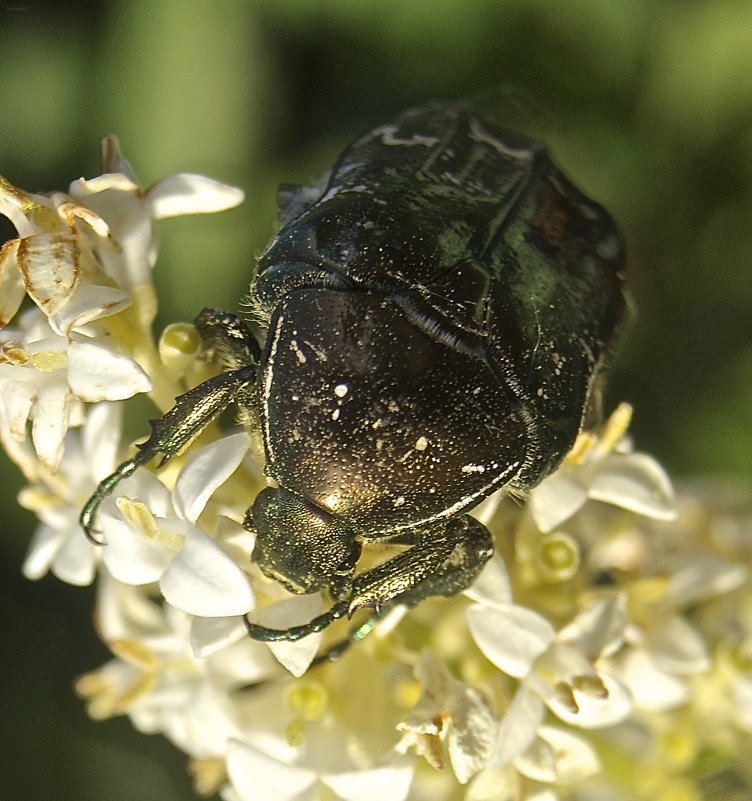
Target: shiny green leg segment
356	634
173	432
88	513
294	633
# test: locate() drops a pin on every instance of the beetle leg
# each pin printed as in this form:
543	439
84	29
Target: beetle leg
318	623
174	431
441	563
355	635
228	338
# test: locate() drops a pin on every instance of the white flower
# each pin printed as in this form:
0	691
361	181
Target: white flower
44	376
130	212
152	536
256	773
55	261
511	636
558	756
559	672
666	649
58	543
604	470
80	256
159	681
449	712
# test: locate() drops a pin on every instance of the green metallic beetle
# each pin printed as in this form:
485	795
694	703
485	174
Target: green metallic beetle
437	309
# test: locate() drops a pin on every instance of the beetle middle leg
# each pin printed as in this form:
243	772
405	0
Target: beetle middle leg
445	559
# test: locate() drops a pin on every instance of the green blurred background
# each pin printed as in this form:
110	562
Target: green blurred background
646	103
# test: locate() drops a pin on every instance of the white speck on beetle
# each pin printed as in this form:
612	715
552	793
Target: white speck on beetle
399	501
421	444
340	390
335	414
298	352
473	468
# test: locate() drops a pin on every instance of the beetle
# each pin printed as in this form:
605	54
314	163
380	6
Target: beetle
437	311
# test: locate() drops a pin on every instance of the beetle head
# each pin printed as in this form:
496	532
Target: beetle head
298	544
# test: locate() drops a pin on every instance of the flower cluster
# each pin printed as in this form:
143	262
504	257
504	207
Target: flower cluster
604	652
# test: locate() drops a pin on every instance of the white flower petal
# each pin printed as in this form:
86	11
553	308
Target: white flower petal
377	784
544	795
15	205
518	727
204	719
44	545
126	611
652	690
558	757
703	575
598	629
472	732
49	264
88	302
97	372
212	634
17	397
743	701
51	416
118	183
511	638
594	712
495	784
75	562
677	647
203	580
555	500
633	481
256	776
130	557
12	288
100	438
492	586
206	471
187	193
293	611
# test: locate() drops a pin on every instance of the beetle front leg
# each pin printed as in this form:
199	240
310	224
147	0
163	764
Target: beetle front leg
442	562
174	431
